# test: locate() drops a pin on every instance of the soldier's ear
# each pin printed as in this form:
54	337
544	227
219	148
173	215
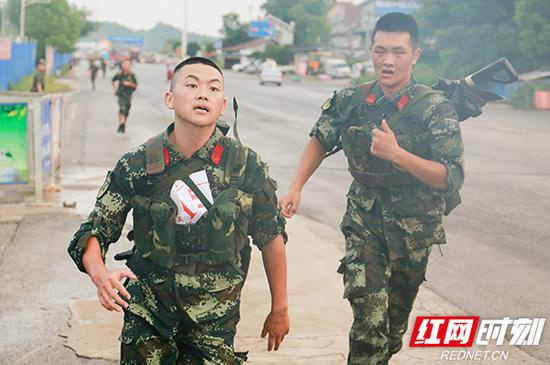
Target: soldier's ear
169	100
224	106
416	53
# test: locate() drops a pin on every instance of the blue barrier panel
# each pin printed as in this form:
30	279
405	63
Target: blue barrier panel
60	59
21	64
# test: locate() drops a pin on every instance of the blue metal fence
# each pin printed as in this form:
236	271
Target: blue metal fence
60	59
21	64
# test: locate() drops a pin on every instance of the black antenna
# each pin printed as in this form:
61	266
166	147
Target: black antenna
235	109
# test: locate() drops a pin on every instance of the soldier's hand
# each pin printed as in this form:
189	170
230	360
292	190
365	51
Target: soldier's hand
277	325
384	144
110	289
289	203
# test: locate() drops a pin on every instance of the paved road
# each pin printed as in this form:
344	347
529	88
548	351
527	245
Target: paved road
496	262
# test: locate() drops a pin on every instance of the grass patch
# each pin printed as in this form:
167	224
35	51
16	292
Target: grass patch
426	74
64	69
524	98
52	85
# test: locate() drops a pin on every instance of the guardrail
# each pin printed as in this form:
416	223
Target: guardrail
30	140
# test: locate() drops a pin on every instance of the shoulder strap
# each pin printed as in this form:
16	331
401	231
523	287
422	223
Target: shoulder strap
357	98
154	157
195	189
359	95
421	93
235	164
366	88
179	172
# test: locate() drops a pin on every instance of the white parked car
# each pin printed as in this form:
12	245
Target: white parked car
255	67
271	75
337	68
239	67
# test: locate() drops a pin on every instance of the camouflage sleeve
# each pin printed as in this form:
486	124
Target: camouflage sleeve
446	141
327	127
106	220
266	221
134	79
116	77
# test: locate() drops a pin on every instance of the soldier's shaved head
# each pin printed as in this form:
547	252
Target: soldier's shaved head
191	61
397	22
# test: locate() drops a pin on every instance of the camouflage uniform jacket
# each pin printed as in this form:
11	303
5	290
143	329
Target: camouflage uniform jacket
124	91
37	79
433	133
107	219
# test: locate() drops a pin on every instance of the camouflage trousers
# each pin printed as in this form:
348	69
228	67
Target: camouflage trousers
380	284
124	104
175	318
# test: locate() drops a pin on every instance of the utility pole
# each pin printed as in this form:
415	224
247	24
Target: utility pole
4	18
22	22
24	5
184	29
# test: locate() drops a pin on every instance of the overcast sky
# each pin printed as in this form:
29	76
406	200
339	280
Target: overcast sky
205	16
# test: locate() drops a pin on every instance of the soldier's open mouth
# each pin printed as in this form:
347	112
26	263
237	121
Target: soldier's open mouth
387	72
202	108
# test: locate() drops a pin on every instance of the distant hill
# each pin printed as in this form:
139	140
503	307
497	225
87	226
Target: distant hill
154	38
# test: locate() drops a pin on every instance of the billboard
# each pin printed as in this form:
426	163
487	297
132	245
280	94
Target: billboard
126	39
13	144
261	29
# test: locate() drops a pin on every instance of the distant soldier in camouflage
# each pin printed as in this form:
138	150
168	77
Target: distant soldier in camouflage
404	149
93	69
127	84
181	304
39	78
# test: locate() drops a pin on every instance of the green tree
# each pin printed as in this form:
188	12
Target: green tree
234	32
283	55
88	26
55	24
170	45
209	47
309	17
459	37
279	8
193	48
533	16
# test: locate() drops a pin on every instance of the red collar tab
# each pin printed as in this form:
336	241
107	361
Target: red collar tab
166	156
402	102
217	154
370	99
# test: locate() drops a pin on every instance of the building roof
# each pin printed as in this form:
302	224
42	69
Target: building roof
255	43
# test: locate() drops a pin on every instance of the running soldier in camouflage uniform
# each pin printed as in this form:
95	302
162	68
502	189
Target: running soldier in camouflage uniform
127	84
181	304
38	79
404	149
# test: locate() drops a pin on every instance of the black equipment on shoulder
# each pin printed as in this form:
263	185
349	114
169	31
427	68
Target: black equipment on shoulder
468	95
